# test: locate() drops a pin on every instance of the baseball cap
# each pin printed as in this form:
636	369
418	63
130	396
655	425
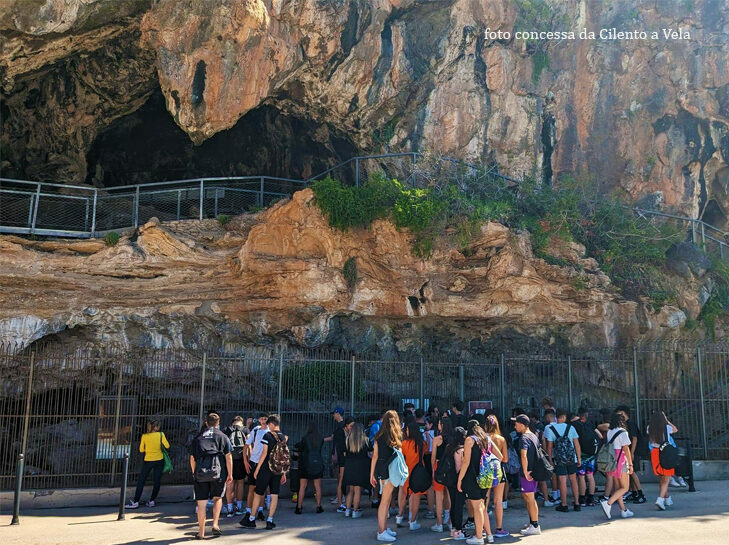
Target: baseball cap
522	419
338	410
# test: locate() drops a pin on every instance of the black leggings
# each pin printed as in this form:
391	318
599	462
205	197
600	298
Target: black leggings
458	499
157	467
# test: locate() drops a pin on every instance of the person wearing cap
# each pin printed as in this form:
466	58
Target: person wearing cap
527	447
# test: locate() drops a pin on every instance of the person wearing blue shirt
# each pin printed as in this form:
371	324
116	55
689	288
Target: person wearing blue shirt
563	449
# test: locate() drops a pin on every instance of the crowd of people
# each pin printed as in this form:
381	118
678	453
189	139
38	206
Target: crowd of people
462	468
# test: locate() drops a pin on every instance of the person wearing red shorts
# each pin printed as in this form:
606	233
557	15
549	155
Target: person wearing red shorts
660	431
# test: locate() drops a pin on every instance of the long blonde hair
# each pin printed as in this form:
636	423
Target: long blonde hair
391	429
356	440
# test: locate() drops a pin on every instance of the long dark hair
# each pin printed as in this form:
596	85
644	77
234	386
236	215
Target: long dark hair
458	438
413	432
617	420
312	432
475	429
657	427
448	432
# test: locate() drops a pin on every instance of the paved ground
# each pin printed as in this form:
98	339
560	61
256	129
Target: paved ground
697	518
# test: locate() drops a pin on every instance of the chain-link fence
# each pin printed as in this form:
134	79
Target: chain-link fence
75	411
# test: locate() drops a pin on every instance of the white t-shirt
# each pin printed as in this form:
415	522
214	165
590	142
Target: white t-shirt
623	440
255	438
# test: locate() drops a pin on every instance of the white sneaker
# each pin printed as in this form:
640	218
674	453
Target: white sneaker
626	514
489	538
348	513
399	522
393	533
506	505
334	501
150	503
436	528
669	501
673	482
385	536
531	531
548	503
132	505
356	514
681	481
473	540
661	504
606	507
414	525
458	536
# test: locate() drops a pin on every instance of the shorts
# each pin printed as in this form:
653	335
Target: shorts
656	465
239	470
565	469
265	480
622	466
528	487
470	487
587	467
303	474
437	487
251	478
209	490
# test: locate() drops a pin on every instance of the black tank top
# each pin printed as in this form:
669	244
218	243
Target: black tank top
439	451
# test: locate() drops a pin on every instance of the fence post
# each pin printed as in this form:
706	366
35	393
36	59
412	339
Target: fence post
117	418
502	381
280	384
93	213
31	207
351	401
703	235
636	387
569	383
123	492
26	423
35	209
215	210
422	383
202	387
136	208
86	216
356	171
703	407
260	194
202	197
179	202
693	232
461	390
18	487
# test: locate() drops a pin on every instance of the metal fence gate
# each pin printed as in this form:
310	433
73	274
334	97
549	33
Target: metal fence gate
75	411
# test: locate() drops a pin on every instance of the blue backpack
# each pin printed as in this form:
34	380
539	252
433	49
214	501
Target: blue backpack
398	469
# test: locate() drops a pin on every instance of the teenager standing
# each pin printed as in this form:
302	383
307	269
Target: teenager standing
442	499
151	445
311	465
619	440
528	443
659	432
356	469
251	457
563	449
454	448
493	430
387	440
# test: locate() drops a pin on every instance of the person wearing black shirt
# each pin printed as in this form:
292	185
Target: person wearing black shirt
339	437
457	416
528	453
265	478
209	444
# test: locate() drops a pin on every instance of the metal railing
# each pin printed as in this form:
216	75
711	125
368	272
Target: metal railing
74	411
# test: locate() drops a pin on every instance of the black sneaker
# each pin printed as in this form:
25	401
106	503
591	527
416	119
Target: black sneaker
582	501
270	525
576	507
248	523
374	504
217	532
562	508
261	516
297	510
319	509
629	496
639	499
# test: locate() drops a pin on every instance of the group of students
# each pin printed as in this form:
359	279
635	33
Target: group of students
449	460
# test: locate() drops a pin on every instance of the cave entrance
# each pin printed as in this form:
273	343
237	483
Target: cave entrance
714	215
147	146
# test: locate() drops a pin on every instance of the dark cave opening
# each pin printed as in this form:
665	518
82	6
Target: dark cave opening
714	215
148	146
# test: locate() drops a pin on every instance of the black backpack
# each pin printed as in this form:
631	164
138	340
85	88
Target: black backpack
237	443
445	473
314	462
668	455
588	439
543	469
420	479
564	448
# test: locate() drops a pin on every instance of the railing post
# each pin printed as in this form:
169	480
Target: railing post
280	384
202	387
356	171
502	382
703	235
202	197
703	407
136	208
461	389
86	216
31	207
179	203
351	400
422	383
26	422
117	419
93	213
693	231
636	387
260	194
123	491
569	383
215	209
18	488
35	210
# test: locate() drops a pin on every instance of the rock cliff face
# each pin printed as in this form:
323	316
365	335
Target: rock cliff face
279	277
644	115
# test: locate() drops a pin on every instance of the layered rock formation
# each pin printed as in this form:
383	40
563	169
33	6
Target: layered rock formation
644	115
278	277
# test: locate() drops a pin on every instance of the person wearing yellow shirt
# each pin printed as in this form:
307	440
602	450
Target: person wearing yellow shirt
151	445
